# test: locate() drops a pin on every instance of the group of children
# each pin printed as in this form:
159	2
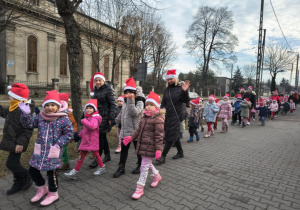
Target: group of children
139	120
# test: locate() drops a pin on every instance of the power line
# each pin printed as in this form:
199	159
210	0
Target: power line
280	26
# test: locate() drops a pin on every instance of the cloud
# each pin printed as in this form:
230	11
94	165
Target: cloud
178	15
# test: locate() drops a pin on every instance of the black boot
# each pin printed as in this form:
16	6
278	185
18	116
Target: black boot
106	158
94	164
202	129
120	171
162	159
27	181
178	155
17	186
137	169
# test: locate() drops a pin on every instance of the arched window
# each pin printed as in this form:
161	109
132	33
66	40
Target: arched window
81	63
63	59
32	54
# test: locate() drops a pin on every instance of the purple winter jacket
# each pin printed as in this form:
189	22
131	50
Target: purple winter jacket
90	133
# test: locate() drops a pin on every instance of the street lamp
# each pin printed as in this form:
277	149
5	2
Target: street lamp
297	70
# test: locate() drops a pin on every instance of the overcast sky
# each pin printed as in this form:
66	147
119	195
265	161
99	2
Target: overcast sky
178	15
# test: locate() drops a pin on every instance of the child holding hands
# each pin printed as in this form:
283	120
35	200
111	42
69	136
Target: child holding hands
54	131
149	137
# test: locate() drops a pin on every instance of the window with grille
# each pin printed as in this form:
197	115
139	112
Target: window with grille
63	59
116	76
81	63
106	66
94	63
32	54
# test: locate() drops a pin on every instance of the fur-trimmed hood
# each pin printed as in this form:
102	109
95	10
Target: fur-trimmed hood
161	112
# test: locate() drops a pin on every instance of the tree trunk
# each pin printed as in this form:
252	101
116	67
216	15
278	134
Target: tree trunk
273	83
73	47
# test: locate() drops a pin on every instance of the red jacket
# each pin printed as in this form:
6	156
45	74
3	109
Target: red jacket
277	98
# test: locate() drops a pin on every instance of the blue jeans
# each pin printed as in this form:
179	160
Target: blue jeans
263	119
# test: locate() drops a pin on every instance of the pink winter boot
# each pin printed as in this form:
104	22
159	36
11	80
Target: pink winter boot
118	150
207	135
155	180
42	190
138	192
51	198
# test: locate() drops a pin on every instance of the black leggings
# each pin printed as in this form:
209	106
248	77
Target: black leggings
169	144
14	165
124	153
40	181
103	144
192	131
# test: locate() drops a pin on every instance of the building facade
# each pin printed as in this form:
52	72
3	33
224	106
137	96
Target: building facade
223	84
33	49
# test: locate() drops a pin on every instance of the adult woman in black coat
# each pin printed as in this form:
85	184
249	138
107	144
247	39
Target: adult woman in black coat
105	96
175	97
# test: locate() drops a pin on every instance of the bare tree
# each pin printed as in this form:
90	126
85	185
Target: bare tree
249	73
276	60
66	9
210	38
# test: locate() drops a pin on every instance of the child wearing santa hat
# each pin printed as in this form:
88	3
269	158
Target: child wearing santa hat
16	137
217	101
54	131
263	112
89	139
149	135
129	117
118	125
292	106
201	111
237	110
225	113
246	104
210	114
273	108
194	117
64	98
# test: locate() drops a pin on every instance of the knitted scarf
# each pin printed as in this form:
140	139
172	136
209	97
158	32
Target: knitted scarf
53	116
90	115
13	105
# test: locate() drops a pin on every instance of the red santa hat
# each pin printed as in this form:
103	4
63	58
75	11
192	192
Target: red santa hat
195	101
241	88
238	96
211	97
261	104
250	87
171	74
52	96
18	91
92	103
64	97
130	84
153	98
226	96
96	75
121	98
217	100
246	99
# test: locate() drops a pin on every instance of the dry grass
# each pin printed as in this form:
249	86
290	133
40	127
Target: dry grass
72	149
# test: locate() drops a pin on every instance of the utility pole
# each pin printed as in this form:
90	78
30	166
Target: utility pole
262	60
297	74
259	53
230	89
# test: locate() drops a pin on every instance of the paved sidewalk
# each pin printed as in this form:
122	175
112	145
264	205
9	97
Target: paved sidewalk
247	168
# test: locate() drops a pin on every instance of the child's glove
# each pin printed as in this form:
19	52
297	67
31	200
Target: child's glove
24	108
36	110
57	146
76	137
157	154
127	140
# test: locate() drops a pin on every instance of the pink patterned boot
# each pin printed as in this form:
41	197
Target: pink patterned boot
155	180
138	192
42	190
51	198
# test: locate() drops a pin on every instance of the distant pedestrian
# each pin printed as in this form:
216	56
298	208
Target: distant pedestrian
118	125
210	114
194	117
245	111
225	112
89	139
263	112
292	106
237	110
273	108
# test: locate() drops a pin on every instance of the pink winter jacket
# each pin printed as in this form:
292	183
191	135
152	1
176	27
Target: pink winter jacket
225	110
90	133
274	107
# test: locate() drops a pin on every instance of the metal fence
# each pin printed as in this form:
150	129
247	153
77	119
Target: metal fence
36	88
